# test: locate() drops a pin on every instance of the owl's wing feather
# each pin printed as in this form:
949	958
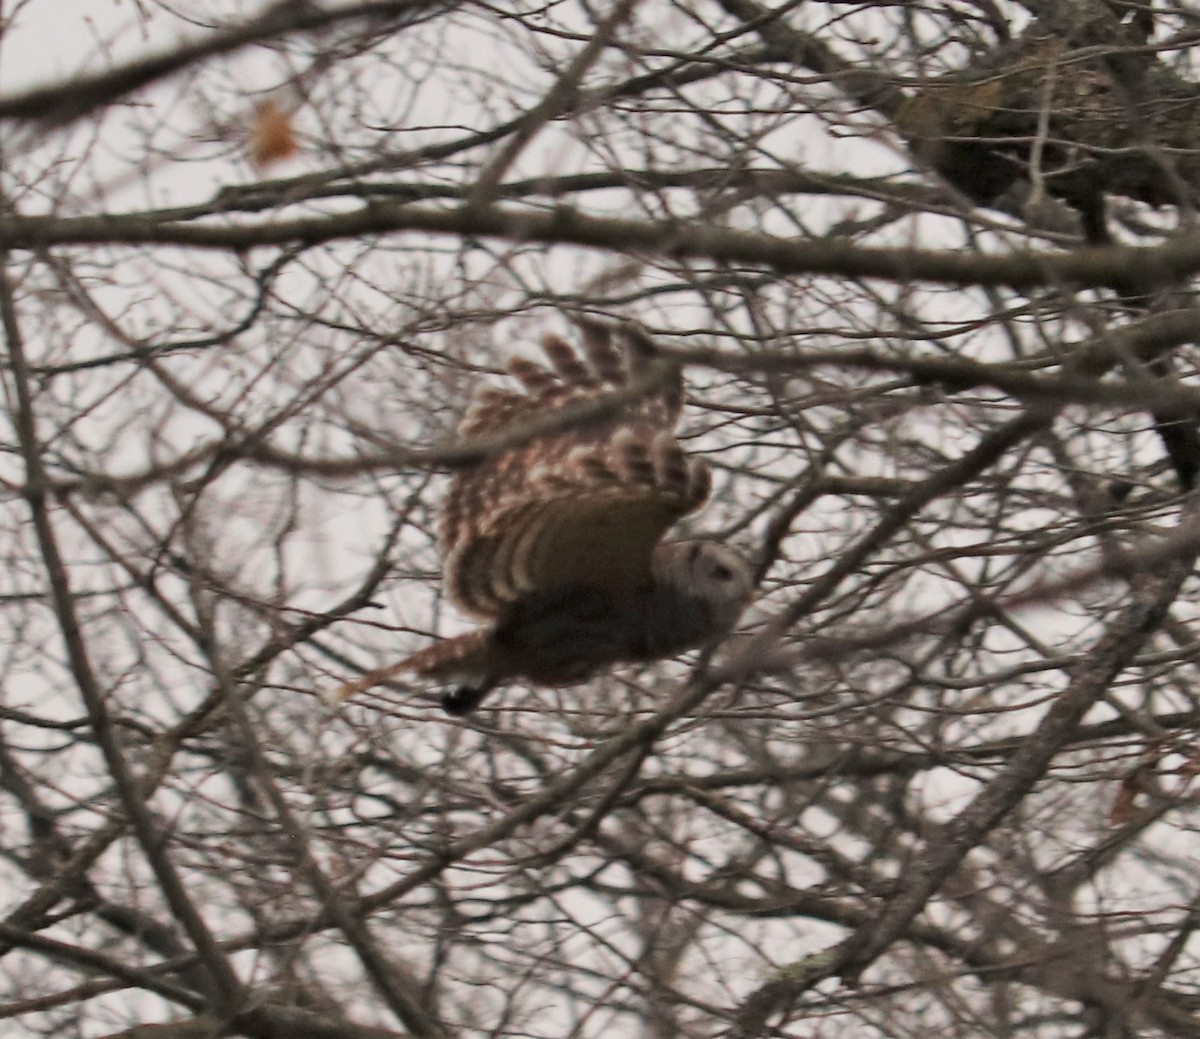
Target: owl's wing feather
601	540
582	507
577	511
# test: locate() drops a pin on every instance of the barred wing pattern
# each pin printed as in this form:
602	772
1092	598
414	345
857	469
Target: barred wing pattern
545	514
557	542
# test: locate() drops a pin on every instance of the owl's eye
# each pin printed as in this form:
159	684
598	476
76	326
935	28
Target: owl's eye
721	572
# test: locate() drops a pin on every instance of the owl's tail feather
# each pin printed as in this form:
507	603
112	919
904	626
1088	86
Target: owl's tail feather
465	658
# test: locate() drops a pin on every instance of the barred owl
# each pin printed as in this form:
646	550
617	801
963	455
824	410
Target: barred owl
557	543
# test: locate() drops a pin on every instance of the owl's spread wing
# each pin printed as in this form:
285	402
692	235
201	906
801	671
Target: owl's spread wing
585	506
612	358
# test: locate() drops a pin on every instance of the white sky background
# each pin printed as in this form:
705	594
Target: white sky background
47	42
53	39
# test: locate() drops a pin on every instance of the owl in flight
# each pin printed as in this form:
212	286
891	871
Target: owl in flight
557	543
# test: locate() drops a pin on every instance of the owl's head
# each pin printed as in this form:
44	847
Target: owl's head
709	575
722	575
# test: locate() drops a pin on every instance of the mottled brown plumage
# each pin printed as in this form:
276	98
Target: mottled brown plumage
558	541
